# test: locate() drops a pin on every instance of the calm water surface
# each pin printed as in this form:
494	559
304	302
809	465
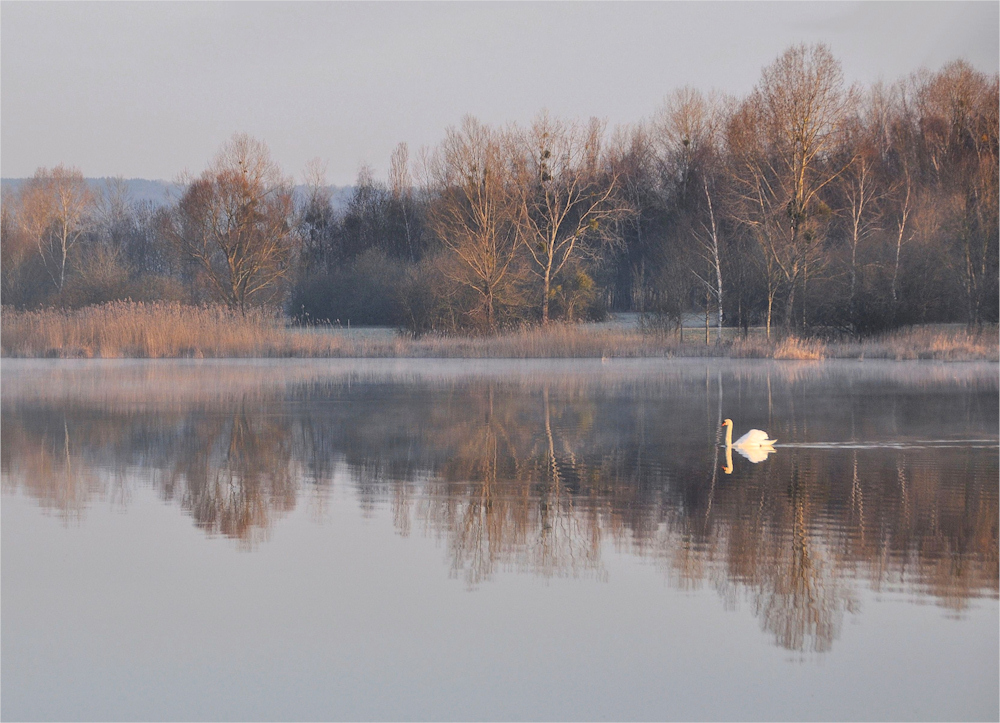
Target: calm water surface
498	540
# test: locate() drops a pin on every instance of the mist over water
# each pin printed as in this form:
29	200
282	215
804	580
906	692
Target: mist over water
480	538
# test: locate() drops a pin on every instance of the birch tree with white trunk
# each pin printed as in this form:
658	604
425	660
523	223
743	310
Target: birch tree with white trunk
567	196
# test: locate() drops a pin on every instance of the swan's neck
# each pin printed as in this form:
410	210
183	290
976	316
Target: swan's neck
729	435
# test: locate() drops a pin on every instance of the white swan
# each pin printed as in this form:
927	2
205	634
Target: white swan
755	438
754	446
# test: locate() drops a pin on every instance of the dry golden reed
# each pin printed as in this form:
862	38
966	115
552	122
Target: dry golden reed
793	347
170	330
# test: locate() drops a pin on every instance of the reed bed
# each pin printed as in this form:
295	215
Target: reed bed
170	330
937	342
129	329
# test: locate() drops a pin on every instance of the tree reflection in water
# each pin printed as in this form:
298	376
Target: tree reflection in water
545	472
238	475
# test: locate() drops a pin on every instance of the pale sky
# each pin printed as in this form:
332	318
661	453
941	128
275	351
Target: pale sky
151	90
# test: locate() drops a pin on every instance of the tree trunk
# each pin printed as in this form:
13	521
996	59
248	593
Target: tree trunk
805	279
789	306
852	307
546	284
901	225
770	305
970	287
718	338
739	314
406	227
62	268
895	272
708	303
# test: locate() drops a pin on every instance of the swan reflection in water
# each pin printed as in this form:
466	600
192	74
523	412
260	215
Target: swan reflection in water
755	455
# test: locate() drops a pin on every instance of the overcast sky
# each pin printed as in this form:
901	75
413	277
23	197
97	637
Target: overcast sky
153	89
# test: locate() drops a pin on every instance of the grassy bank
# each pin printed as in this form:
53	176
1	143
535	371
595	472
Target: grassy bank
158	330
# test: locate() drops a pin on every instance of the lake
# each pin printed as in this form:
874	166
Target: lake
547	539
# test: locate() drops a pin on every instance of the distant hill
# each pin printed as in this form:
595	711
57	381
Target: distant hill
159	193
162	193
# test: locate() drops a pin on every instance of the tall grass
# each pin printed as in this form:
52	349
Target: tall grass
129	329
159	330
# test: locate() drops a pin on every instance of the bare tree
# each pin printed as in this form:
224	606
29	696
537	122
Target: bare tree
401	189
317	222
632	155
566	196
862	193
790	126
473	214
55	209
690	132
751	204
234	222
957	111
17	256
905	208
314	177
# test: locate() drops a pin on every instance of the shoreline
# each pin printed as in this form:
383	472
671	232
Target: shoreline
173	331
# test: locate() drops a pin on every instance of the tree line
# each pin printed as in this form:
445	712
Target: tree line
805	205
